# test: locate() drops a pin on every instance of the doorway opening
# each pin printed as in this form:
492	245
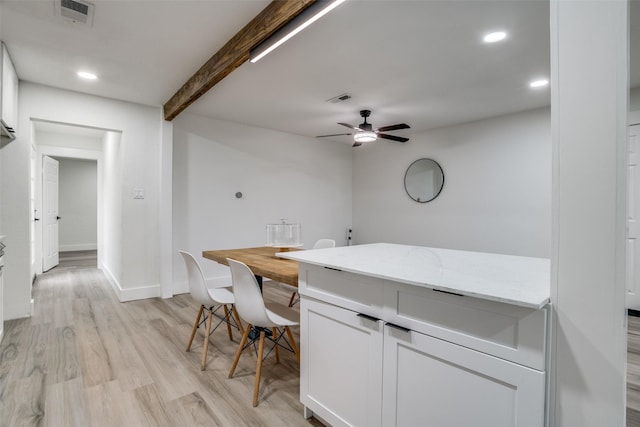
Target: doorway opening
75	218
68	212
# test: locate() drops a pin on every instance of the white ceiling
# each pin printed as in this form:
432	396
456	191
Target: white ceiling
142	50
419	62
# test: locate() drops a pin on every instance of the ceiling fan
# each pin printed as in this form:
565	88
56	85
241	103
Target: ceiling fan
366	133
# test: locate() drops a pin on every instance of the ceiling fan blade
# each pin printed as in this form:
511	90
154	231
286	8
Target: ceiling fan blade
357	144
394	127
349	126
335	134
393	137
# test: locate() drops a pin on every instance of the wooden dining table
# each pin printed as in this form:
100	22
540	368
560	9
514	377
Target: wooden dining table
262	261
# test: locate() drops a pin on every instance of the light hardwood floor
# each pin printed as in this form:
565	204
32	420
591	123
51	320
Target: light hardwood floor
77	259
85	359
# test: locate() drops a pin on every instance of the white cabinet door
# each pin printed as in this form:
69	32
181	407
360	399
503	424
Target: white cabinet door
431	382
341	364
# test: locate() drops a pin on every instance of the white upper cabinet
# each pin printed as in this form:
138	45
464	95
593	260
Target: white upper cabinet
9	89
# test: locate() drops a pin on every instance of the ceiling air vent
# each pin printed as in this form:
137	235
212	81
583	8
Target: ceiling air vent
79	12
339	98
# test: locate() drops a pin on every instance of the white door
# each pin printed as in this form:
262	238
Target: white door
633	226
50	207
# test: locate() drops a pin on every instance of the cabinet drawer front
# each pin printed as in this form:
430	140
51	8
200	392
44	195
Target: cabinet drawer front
431	382
510	332
340	364
353	291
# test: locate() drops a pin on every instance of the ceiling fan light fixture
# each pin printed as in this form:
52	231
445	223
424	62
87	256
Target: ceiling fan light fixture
365	136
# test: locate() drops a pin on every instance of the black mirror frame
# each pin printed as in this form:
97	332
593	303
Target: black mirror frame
405	181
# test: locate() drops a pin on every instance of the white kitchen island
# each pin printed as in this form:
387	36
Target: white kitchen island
397	335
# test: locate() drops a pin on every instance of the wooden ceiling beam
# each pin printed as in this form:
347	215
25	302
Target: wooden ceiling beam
234	53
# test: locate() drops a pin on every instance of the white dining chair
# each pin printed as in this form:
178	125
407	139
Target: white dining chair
320	244
211	299
266	320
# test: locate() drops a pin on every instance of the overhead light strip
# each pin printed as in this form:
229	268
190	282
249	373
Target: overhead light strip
302	21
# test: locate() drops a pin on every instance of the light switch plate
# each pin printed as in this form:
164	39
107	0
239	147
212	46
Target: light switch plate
138	193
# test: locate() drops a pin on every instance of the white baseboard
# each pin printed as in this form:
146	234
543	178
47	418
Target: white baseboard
180	288
140	292
13	312
130	293
111	279
78	247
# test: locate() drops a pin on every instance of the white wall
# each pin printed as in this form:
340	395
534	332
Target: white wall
16	221
280	176
131	264
78	204
68	140
496	195
589	43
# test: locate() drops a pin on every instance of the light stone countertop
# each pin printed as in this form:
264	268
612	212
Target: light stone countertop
517	280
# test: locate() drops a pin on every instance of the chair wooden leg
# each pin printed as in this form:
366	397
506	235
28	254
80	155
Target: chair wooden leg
243	341
293	343
256	385
292	299
235	315
206	341
239	322
226	318
275	338
195	327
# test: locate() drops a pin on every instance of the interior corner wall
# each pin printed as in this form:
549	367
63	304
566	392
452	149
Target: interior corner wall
16	221
589	43
634	99
280	175
496	195
111	256
634	106
78	204
136	256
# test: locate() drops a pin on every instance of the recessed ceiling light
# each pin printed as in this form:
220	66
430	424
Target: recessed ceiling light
539	83
86	75
496	36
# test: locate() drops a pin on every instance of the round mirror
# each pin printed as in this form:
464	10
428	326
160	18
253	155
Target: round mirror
423	180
